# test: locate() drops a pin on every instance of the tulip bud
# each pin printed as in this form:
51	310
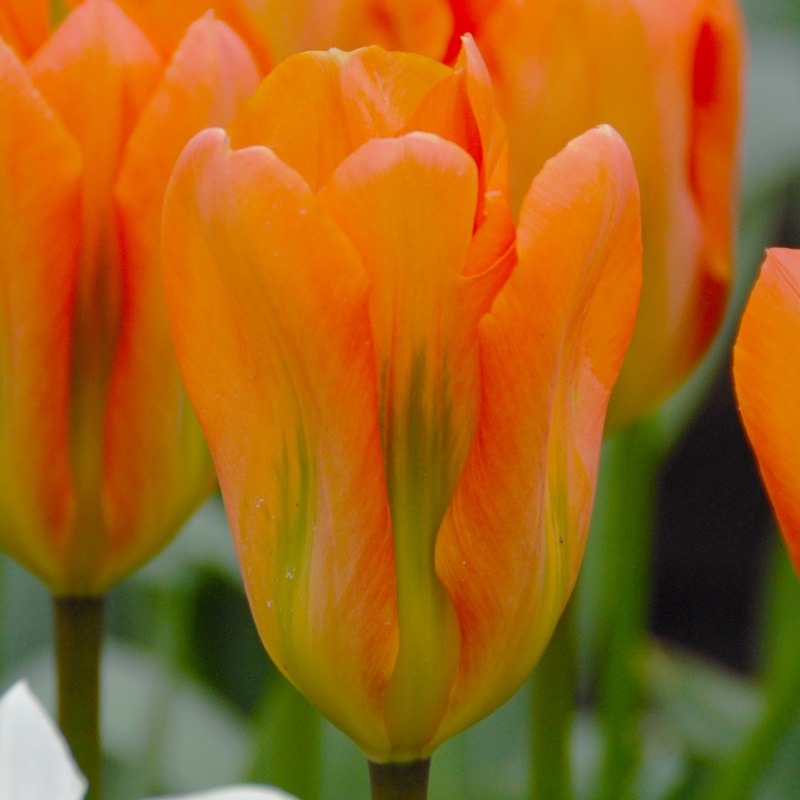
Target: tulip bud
101	457
404	395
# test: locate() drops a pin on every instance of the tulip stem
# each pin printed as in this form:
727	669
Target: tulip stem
400	781
79	637
631	460
552	714
737	776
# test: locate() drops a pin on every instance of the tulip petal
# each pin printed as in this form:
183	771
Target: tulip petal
765	374
149	420
96	72
331	103
165	23
713	157
24	25
387	198
551	349
268	307
418	26
39	235
292	26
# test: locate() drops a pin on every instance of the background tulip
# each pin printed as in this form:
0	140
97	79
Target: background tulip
668	78
764	370
101	457
406	437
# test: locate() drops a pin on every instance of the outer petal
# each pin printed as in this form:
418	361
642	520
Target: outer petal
96	72
157	467
511	544
268	307
39	234
421	26
24	24
165	23
387	198
331	103
765	373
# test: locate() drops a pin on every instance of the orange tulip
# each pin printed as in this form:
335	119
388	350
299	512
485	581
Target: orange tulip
404	396
667	76
100	455
765	361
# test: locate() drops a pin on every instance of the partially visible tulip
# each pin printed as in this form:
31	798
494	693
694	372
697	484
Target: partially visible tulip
668	77
101	458
404	396
765	373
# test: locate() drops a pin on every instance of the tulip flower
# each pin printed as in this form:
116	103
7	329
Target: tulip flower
667	77
102	459
404	396
764	367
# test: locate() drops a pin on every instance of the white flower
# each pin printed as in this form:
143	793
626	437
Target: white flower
234	793
36	764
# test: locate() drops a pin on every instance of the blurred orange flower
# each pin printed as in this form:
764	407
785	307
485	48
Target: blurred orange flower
100	455
403	394
668	77
765	360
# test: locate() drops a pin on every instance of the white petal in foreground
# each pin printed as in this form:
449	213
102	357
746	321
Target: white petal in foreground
35	762
232	793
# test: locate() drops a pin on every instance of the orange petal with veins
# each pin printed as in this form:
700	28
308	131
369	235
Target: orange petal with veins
513	538
269	310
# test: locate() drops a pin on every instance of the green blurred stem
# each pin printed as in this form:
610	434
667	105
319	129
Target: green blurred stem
737	777
629	471
291	756
400	781
552	714
79	638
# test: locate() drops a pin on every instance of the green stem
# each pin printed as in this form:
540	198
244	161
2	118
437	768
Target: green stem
737	777
552	714
291	756
79	637
629	471
400	781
